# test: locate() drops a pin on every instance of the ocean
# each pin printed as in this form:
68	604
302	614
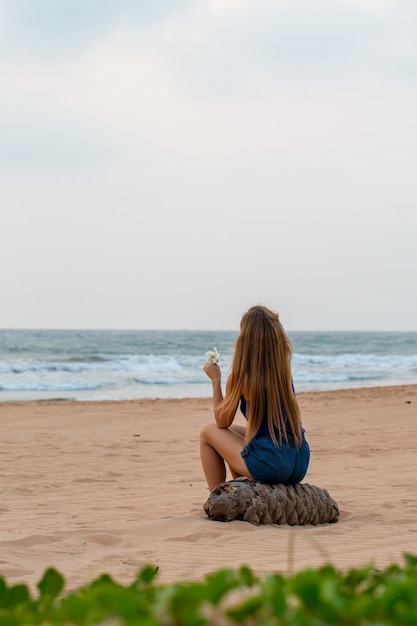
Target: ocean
127	365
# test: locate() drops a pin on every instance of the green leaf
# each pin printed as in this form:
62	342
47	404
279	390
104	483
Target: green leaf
220	583
51	585
306	585
18	596
410	561
148	574
275	593
247	577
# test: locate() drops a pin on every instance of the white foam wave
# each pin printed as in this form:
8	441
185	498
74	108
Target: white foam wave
377	361
116	363
50	386
167	380
329	377
127	375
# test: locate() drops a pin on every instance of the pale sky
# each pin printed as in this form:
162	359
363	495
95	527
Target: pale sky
167	164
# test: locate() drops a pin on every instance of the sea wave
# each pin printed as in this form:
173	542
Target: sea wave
136	364
78	385
152	380
115	363
356	360
335	377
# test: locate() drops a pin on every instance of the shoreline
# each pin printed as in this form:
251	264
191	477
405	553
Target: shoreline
339	391
108	486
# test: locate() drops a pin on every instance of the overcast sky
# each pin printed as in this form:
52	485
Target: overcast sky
167	164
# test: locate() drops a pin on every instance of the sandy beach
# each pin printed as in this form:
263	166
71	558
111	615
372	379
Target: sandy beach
93	487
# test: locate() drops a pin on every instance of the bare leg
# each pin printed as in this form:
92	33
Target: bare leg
240	430
219	446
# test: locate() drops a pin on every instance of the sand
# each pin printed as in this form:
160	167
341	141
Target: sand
94	487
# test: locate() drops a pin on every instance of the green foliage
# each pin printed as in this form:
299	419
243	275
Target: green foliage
311	597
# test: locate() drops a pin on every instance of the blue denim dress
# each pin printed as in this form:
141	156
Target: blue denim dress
272	463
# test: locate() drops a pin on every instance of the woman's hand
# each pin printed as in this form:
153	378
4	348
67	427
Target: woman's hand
213	371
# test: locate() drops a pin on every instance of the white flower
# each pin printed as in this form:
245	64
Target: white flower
213	355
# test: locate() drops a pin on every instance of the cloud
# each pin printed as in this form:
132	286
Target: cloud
45	136
135	96
133	136
68	27
219	42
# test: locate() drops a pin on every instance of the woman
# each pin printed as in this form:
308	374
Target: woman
272	447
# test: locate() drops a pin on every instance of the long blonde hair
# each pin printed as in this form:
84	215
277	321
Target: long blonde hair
261	373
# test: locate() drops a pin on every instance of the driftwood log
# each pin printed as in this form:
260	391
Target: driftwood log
260	503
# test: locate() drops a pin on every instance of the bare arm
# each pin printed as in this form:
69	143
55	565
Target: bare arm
214	373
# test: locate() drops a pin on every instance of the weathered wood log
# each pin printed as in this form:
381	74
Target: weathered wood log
260	503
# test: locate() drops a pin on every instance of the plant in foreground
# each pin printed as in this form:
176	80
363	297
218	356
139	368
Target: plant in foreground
311	597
